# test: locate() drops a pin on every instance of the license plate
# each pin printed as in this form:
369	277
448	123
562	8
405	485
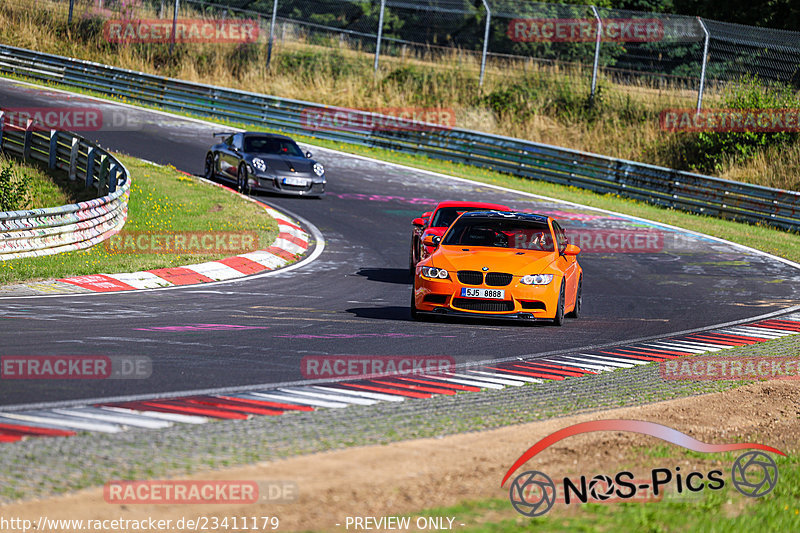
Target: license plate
489	294
299	182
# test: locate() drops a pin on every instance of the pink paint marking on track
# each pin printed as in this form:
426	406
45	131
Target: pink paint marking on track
201	327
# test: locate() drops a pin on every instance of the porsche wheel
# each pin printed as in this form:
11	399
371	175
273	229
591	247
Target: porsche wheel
241	180
576	312
559	318
208	170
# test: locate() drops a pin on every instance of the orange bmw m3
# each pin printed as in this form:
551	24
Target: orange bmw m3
500	264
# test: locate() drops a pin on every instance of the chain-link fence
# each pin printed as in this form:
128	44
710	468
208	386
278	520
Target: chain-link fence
623	45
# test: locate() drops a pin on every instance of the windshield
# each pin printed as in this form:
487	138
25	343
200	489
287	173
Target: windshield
499	233
270	145
445	216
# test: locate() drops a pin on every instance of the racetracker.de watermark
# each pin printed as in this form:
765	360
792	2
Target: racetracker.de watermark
186	31
75	367
617	240
708	368
333	366
72	118
581	30
378	119
730	120
199	492
182	243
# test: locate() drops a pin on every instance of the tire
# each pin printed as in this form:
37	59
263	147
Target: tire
241	180
208	170
414	314
576	313
559	318
412	264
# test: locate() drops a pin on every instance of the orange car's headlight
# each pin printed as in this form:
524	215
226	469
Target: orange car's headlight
538	279
434	273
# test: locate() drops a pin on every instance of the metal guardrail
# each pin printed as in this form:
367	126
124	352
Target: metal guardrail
658	185
52	230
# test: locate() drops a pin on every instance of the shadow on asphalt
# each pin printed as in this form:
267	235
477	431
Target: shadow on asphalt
404	314
400	276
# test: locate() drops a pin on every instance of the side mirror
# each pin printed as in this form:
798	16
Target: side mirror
308	155
571	249
418	222
432	240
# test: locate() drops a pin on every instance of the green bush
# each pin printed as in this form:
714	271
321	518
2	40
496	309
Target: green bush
242	58
429	87
320	64
538	94
714	149
14	185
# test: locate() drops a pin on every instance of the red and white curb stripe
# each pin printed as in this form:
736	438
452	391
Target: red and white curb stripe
291	242
115	417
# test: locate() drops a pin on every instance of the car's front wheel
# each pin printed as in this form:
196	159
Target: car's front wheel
241	179
576	312
414	313
558	320
208	170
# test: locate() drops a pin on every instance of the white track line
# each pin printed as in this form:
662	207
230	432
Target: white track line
294	399
332	397
363	394
132	420
170	417
584	366
61	421
468	381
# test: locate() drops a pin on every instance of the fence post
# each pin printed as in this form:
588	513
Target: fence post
174	26
71	6
112	178
53	156
73	158
272	31
703	69
2	127
89	167
26	147
485	41
380	34
596	52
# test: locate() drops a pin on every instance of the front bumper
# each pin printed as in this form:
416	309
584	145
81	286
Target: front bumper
267	183
523	302
445	311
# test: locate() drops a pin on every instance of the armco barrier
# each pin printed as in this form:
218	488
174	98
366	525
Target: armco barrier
52	230
663	186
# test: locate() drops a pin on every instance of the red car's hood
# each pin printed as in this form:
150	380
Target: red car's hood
454	258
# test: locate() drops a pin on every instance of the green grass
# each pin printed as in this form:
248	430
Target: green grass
161	200
711	511
45	188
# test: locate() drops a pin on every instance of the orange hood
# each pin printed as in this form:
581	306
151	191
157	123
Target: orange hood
514	261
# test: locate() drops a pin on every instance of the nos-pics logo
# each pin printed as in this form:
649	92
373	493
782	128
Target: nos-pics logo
533	493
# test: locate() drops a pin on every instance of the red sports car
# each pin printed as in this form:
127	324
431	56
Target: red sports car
436	223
